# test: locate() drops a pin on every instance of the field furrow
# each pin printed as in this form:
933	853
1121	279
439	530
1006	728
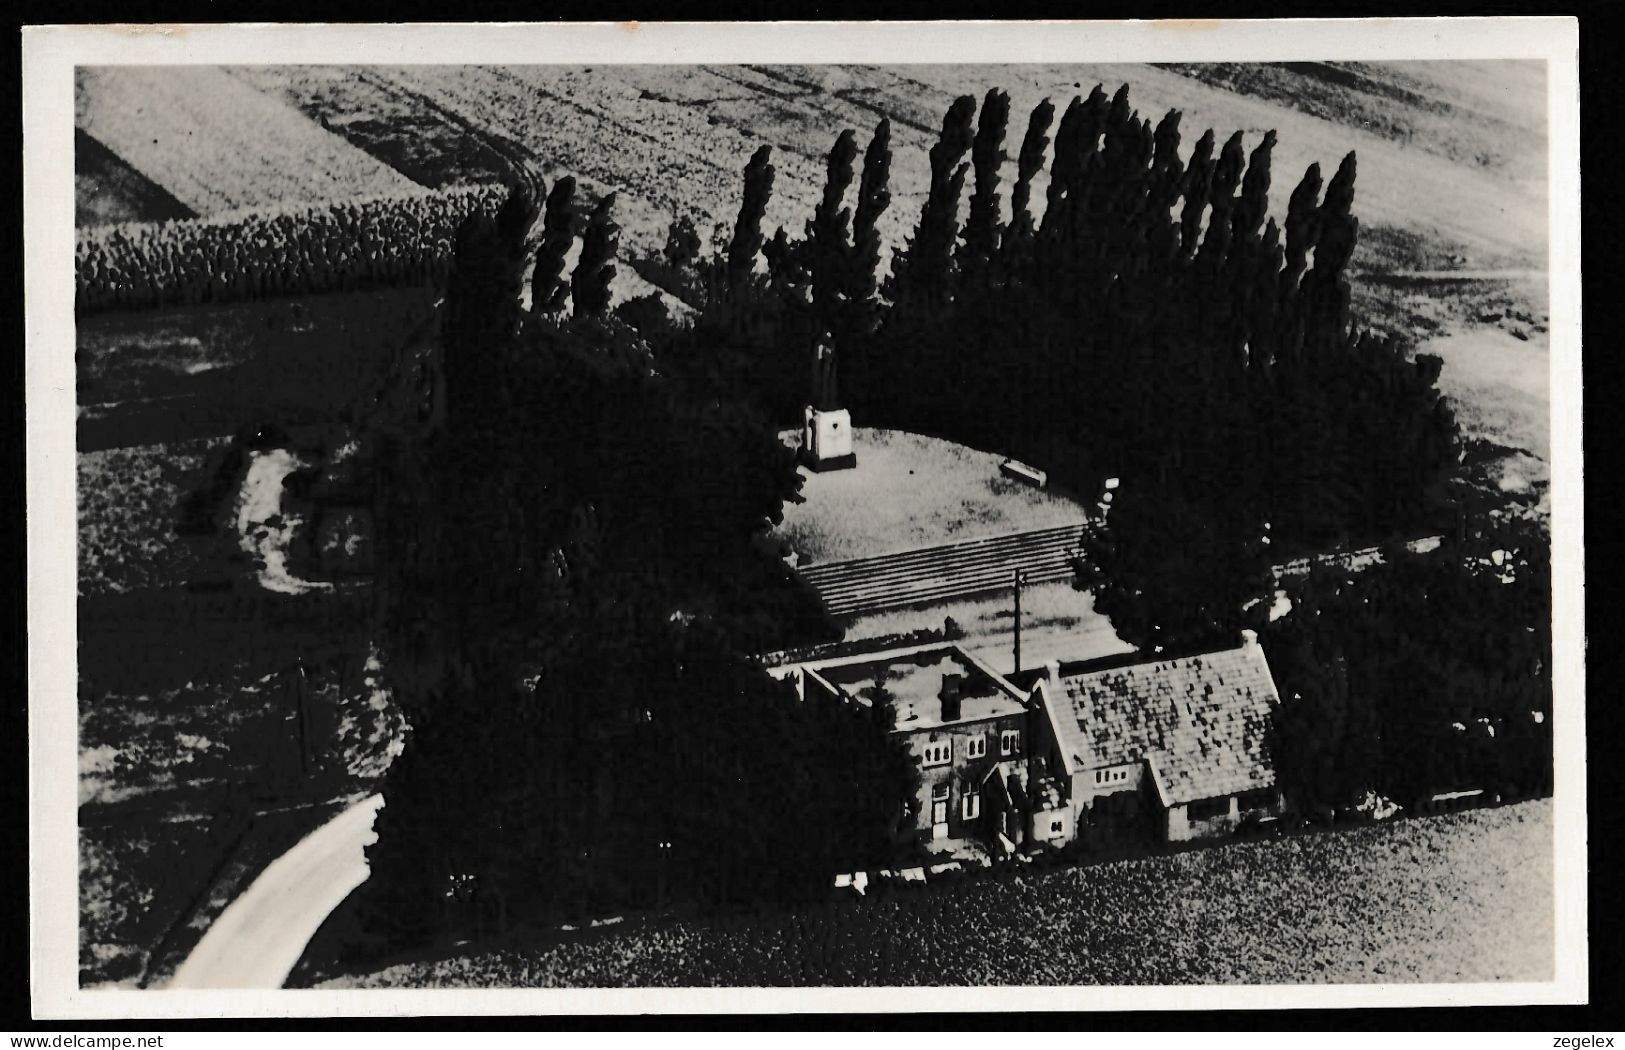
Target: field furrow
1495	221
419	141
1481	115
678	136
562	136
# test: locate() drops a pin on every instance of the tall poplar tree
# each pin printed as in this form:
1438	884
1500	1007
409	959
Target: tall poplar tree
828	237
747	235
982	227
874	196
548	291
1034	146
1197	185
1302	211
925	268
595	268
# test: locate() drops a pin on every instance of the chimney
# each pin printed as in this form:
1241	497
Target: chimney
952	684
1048	685
1249	639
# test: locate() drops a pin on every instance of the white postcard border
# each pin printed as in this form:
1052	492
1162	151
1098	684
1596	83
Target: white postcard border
49	55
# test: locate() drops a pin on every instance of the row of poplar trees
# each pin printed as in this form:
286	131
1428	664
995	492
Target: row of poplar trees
573	583
1150	322
1153	323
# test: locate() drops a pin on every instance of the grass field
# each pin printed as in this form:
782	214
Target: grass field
131	890
1452	162
909	491
191	745
107	190
1465	897
184	698
423	143
162	376
1477	114
1445	151
1499	384
189	722
128	499
216	144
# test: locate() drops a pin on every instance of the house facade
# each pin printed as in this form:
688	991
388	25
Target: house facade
965	726
1174	747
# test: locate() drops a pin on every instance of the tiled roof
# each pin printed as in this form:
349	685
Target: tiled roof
1200	720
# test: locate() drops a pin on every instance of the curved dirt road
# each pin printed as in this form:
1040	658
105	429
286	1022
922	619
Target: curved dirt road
258	939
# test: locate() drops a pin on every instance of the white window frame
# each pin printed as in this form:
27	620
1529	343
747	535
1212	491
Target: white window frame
970	805
939	792
1009	741
976	746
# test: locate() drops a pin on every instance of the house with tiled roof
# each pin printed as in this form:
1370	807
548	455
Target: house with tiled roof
1181	739
1189	734
963	723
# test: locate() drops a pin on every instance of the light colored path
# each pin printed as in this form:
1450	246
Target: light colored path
264	529
1499	385
1470	275
258	939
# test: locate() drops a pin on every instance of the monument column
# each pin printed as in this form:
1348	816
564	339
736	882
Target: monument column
826	440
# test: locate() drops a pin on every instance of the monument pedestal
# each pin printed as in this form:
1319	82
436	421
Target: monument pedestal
826	440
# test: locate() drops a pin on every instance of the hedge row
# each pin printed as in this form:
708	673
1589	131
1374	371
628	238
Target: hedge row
404	239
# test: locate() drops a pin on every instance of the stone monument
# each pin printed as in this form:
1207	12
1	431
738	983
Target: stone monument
826	439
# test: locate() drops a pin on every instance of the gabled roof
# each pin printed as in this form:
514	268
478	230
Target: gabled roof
1201	721
914	676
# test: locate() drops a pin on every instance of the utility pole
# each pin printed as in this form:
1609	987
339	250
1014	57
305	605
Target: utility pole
1018	623
301	688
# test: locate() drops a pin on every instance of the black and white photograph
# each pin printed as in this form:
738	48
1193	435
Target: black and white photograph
722	511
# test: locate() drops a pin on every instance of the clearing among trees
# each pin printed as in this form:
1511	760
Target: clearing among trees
908	491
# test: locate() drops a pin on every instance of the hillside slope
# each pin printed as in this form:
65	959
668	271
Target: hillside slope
1466	897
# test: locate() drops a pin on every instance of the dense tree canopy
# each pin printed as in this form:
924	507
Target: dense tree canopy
1428	673
576	574
1152	323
